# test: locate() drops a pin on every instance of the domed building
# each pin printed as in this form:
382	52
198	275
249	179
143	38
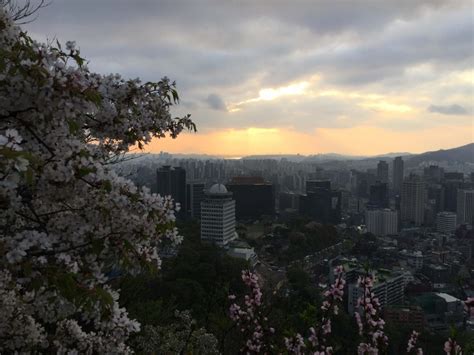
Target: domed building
218	216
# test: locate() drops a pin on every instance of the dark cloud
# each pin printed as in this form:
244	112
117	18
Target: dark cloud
448	109
215	102
236	48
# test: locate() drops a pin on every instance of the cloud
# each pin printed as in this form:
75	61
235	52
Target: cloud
378	63
453	109
216	102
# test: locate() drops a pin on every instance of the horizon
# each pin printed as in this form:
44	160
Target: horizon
318	77
239	156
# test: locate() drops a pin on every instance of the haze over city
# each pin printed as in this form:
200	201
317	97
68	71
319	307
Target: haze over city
359	78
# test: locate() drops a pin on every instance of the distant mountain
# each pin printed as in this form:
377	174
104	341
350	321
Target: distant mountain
291	157
393	155
463	154
318	158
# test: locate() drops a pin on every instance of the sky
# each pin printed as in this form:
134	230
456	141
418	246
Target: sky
353	77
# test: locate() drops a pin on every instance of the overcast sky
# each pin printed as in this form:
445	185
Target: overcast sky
353	77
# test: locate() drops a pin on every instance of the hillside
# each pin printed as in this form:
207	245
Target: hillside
463	154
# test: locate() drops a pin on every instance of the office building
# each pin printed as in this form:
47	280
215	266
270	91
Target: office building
453	181
412	203
218	216
465	206
446	222
378	196
433	174
397	175
321	203
382	171
194	195
254	197
172	182
382	222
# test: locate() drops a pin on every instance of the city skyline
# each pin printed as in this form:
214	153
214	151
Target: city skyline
260	78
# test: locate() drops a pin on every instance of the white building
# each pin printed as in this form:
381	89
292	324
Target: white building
465	206
240	249
218	216
446	222
382	222
389	288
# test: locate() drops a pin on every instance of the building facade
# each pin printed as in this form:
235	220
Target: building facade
465	206
446	222
218	216
397	175
254	197
171	181
194	196
382	222
389	289
382	171
412	203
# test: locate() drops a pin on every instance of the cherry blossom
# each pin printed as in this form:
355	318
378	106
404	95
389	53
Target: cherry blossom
68	220
411	347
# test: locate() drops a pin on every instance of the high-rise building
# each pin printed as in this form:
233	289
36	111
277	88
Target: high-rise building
194	195
453	181
382	222
412	203
397	175
446	222
382	171
321	203
378	197
465	206
433	174
218	216
254	197
172	181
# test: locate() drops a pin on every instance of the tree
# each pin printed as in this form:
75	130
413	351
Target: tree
67	221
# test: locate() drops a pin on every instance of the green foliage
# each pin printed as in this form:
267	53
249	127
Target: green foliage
198	279
309	238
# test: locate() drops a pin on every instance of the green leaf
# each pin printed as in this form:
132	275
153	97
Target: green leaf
93	96
104	297
85	171
107	185
73	126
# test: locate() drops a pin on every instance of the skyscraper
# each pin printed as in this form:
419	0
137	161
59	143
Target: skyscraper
218	216
194	197
254	197
412	202
382	171
465	206
172	181
378	197
397	175
453	181
320	202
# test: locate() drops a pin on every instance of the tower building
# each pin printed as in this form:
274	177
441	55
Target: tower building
218	216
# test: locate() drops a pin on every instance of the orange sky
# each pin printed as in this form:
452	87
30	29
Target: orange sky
356	141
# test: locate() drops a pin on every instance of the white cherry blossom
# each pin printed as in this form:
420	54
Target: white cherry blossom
67	220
